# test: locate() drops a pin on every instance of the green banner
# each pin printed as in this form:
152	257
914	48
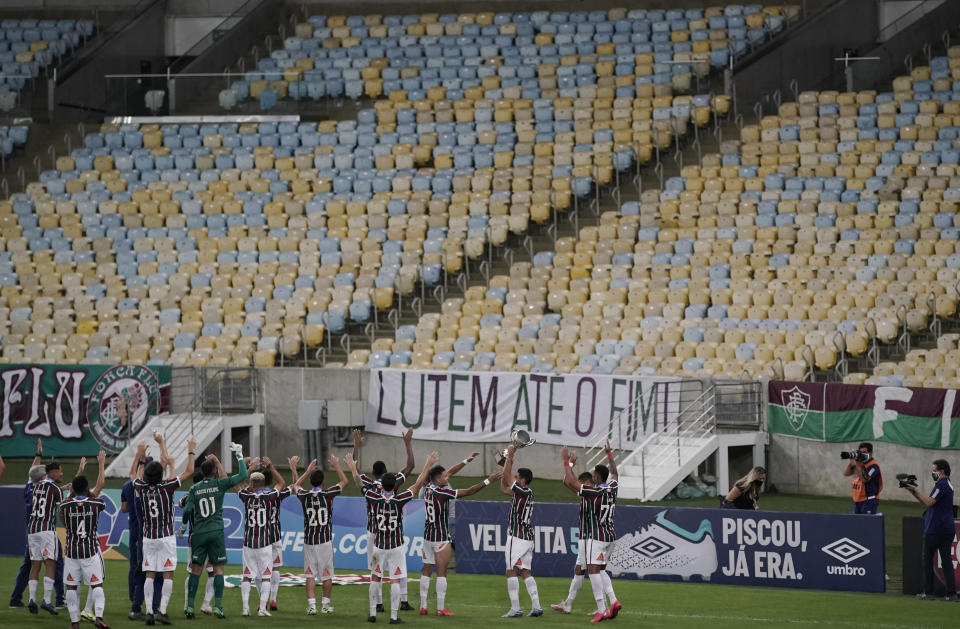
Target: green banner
77	409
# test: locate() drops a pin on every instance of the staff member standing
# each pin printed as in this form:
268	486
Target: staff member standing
867	482
938	529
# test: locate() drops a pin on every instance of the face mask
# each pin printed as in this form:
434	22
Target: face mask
935	475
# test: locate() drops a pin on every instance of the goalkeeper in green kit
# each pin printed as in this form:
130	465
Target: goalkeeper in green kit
205	506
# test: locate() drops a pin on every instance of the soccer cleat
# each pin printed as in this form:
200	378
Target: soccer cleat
396	621
371	619
273	606
379	607
405	606
206	609
99	624
953	598
151	620
564	607
16	603
326	609
163	619
535	612
445	612
135	615
218	612
245	612
263	612
599	616
88	616
311	611
32	606
926	597
423	611
614	609
513	613
49	608
661	547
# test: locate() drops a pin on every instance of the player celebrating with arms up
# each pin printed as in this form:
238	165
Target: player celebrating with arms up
317	529
519	551
83	562
258	501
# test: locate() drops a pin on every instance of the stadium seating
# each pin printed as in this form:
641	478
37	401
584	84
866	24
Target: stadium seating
29	45
542	53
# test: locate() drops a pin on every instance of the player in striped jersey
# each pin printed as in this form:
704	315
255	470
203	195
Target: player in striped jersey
597	504
519	552
41	534
317	506
258	500
155	496
367	482
436	532
188	521
585	478
276	534
83	562
390	563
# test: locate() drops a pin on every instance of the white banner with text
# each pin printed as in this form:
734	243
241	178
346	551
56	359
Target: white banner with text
554	408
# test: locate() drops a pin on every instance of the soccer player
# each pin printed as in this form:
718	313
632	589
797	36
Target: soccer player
205	507
84	563
155	496
317	529
390	563
373	482
585	478
276	534
519	552
208	589
436	532
257	501
597	532
135	576
41	534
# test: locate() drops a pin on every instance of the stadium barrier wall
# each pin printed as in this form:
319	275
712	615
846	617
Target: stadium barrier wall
765	548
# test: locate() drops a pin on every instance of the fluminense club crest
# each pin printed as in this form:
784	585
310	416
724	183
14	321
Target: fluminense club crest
797	405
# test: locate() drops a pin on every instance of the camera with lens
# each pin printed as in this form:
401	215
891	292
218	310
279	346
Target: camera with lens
856	455
907	480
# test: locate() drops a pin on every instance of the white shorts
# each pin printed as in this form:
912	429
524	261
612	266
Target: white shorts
371	552
160	555
318	561
43	546
519	553
593	552
277	554
77	571
391	563
257	562
430	550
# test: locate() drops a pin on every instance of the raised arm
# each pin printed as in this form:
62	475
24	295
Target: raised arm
431	460
191	459
38	456
352	464
101	475
278	481
569	460
137	457
67	487
456	467
611	463
306	473
221	473
241	474
408	443
292	462
357	443
335	464
164	455
506	481
469	491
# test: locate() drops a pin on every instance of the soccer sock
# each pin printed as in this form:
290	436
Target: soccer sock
165	593
531	584
274	583
394	599
311	603
193	581
73	605
608	586
513	591
263	589
89	604
596	582
186	591
441	592
379	592
208	589
99	601
403	590
575	584
217	590
148	594
48	589
372	595
32	588
424	591
324	600
245	595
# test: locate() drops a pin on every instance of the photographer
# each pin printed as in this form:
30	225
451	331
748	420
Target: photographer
938	529
867	482
746	491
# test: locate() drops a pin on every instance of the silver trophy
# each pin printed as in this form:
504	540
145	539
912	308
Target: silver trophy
520	439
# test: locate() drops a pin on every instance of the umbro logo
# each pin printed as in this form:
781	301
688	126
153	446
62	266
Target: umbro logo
652	547
845	550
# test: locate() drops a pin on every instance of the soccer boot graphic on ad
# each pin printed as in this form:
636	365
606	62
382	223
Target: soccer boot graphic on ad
661	547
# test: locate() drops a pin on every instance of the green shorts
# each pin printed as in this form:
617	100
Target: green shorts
206	547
